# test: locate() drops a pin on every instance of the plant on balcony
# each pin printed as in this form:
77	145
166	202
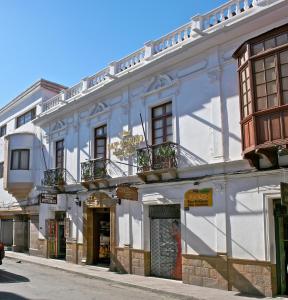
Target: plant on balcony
165	156
144	160
86	174
59	179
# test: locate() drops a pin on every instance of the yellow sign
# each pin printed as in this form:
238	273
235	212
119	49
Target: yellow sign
196	198
127	146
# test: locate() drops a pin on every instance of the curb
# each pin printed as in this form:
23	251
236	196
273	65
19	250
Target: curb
157	291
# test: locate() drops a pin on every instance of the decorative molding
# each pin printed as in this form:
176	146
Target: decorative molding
193	69
59	125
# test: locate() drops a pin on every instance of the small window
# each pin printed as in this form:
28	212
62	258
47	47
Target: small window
100	142
1	169
3	130
59	163
25	118
20	159
162	124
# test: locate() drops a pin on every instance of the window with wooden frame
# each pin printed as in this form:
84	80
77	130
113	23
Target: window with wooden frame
20	159
162	129
59	154
100	142
263	65
25	118
263	86
3	129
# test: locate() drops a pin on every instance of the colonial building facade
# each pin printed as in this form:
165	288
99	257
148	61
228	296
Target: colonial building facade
152	167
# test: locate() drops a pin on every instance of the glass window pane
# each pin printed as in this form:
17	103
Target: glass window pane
169	130
245	100
24	160
158	111
169	121
261	103
249	108
271	87
285	97
99	131
261	90
285	84
260	77
244	88
259	65
245	111
269	44
100	142
169	138
272	100
284	57
15	160
270	62
158	124
257	48
270	74
248	85
281	39
158	141
169	108
243	76
284	70
158	133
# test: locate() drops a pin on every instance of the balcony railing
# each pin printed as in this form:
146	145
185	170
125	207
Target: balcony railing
157	157
94	169
57	177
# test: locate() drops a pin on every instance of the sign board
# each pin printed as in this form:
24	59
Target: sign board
284	192
197	198
99	199
48	198
127	192
127	146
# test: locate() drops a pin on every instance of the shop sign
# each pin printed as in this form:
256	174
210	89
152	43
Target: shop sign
99	200
127	192
127	146
48	198
284	192
197	198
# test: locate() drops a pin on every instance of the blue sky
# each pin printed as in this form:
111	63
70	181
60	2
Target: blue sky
67	40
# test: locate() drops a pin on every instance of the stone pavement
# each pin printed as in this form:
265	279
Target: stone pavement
163	286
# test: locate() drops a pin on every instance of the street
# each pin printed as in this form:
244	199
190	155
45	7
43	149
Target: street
30	281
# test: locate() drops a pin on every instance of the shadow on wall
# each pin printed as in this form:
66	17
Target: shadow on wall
11	296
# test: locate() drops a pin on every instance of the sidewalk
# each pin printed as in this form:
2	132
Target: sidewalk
163	286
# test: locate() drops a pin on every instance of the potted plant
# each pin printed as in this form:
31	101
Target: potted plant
144	161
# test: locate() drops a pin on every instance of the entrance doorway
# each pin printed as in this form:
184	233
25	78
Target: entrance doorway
56	236
165	233
281	238
101	236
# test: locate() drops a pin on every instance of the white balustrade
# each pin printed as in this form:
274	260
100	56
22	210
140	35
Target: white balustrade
227	11
74	90
178	36
131	60
152	48
98	78
52	102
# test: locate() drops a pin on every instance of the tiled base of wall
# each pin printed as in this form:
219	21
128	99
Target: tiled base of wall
250	277
133	261
74	252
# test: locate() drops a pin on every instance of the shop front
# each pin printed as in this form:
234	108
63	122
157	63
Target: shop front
99	229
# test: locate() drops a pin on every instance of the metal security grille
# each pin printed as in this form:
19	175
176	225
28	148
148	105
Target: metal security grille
165	240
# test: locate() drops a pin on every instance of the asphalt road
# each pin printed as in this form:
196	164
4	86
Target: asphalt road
29	281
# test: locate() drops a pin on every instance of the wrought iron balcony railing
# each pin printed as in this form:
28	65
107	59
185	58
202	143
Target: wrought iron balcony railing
94	169
57	177
158	157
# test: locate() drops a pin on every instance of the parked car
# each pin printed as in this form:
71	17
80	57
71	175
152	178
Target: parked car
2	252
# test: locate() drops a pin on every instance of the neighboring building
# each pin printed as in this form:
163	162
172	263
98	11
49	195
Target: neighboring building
21	166
148	160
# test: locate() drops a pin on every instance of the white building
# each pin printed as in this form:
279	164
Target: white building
20	153
175	196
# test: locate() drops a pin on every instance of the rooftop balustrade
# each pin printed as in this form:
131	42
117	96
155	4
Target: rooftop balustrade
198	26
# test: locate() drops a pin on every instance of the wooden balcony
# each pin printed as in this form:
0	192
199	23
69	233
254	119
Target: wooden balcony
94	173
158	162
